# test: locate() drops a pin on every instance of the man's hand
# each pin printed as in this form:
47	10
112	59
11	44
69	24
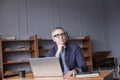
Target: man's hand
60	48
70	73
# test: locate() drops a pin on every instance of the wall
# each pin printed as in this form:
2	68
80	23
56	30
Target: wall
23	18
113	22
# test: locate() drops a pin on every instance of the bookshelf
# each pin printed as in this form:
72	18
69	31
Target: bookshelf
15	54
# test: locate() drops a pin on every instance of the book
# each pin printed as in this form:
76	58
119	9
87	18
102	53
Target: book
80	37
87	74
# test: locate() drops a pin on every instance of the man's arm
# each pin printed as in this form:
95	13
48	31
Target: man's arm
82	65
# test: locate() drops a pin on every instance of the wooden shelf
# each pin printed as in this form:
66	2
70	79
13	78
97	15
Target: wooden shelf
13	62
44	49
41	39
10	75
13	58
15	51
17	40
15	74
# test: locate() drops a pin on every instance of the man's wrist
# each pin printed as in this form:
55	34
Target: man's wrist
77	70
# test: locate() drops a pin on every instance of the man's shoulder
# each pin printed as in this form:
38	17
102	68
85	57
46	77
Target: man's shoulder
72	44
53	48
52	51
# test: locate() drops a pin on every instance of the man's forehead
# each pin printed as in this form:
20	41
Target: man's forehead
58	31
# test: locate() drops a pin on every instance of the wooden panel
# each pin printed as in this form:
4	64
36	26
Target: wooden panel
1	60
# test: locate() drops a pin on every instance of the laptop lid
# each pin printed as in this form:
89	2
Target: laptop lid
46	67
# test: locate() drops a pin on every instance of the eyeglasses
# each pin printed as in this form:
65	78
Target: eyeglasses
59	35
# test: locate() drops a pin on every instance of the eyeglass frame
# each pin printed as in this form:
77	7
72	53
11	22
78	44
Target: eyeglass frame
58	35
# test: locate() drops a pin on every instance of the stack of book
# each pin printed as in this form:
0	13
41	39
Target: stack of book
87	74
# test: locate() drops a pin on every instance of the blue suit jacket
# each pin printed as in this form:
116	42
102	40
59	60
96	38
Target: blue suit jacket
73	56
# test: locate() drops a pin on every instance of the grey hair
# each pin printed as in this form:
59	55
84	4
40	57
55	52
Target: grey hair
56	29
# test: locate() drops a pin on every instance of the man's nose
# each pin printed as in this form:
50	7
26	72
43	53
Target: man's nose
60	36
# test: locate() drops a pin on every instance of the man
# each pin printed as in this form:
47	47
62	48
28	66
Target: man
71	57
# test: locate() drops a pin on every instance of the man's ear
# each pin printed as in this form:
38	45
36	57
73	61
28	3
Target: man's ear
53	39
66	33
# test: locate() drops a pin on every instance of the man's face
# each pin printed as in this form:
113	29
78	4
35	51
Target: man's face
59	37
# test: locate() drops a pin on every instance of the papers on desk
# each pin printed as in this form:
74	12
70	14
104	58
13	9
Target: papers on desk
87	74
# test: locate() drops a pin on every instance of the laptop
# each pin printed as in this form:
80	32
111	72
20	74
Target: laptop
46	67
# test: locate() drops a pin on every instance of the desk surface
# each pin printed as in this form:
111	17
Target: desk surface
103	75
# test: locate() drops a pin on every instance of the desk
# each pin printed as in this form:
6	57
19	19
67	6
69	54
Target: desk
104	75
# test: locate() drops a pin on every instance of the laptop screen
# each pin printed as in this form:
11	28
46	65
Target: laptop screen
46	67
